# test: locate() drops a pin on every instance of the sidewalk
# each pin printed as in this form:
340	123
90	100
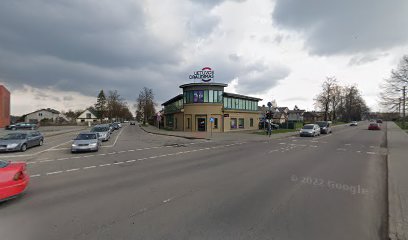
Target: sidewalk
397	182
227	136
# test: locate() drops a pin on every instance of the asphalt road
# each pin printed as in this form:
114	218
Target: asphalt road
143	186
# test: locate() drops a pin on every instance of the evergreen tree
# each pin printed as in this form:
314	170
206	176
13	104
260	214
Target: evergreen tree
100	106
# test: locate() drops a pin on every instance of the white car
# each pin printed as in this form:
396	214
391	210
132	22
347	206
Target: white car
310	130
353	123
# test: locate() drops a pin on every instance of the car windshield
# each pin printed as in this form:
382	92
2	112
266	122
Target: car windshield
322	124
308	127
4	164
100	129
85	136
14	136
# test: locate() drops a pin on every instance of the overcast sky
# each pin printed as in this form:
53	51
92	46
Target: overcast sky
60	54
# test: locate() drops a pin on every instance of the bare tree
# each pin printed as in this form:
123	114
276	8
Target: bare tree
145	106
392	88
324	99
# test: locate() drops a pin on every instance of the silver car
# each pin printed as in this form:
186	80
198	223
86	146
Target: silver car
20	141
86	141
103	130
310	130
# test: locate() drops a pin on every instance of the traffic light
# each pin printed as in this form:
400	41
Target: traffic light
268	115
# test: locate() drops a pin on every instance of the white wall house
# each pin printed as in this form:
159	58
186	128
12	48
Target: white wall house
86	117
50	114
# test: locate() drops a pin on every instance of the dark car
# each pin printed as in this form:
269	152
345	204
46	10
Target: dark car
325	126
379	121
132	123
374	126
20	141
22	126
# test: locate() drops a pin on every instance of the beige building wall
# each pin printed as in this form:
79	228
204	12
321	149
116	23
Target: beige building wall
194	111
247	116
178	121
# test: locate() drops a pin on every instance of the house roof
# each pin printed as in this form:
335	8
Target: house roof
296	111
241	96
176	98
47	110
278	115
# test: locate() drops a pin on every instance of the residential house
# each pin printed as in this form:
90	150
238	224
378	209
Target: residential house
312	117
279	117
296	115
44	114
87	116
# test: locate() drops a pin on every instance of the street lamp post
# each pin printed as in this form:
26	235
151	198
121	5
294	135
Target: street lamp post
403	107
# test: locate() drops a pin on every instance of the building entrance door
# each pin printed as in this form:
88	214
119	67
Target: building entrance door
201	124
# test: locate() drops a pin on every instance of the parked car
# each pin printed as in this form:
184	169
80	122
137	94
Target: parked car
22	126
132	123
119	124
325	126
374	126
103	130
310	130
353	123
111	127
13	179
379	121
20	141
273	125
86	141
116	125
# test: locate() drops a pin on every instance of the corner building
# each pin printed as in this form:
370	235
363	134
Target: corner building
203	106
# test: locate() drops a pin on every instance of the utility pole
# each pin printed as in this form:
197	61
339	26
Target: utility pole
403	107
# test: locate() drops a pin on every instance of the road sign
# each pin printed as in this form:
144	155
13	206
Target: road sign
211	119
269	104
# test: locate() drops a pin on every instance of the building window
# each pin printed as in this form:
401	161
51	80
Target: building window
241	123
88	115
215	123
233	123
225	102
188	123
251	122
210	96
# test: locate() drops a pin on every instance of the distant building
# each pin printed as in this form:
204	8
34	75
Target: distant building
87	116
4	106
312	117
49	114
296	114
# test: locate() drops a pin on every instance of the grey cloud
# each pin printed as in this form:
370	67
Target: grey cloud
259	78
348	26
67	98
360	60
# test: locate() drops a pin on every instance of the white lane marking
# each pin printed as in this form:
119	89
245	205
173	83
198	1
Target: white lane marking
117	137
111	153
102	154
314	141
131	150
47	160
62	159
358	151
89	167
282	143
122	151
370	152
134	160
109	164
347	144
371	146
274	151
75	157
104	165
313	146
52	173
35	175
341	149
167	200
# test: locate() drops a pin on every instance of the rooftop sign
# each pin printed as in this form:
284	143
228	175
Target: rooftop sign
206	74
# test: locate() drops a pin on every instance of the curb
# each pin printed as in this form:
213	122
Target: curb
395	218
171	135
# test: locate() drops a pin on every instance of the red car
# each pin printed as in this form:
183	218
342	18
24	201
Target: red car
13	179
374	126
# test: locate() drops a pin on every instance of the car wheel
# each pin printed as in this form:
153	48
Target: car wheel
13	128
32	128
23	147
41	143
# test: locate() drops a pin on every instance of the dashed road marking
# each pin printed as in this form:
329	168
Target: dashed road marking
89	167
52	173
72	170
